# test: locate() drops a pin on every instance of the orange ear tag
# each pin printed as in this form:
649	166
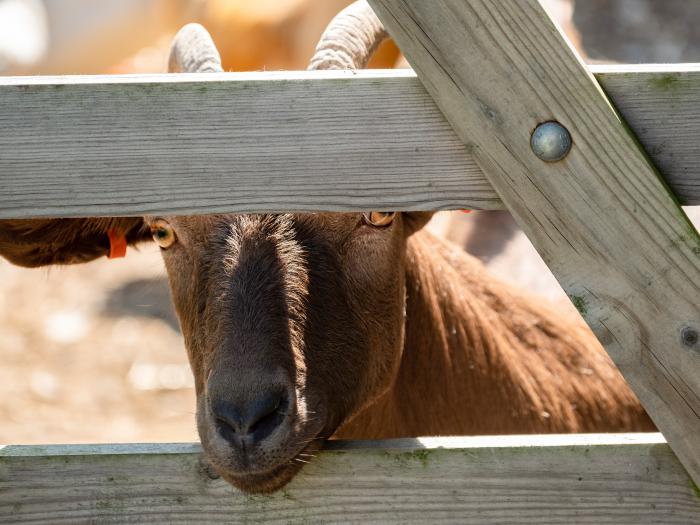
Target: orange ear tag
117	244
466	211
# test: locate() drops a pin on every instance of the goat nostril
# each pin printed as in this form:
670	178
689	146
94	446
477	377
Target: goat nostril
226	429
265	415
271	412
254	420
228	420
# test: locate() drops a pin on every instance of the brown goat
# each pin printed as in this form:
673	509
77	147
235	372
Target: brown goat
300	327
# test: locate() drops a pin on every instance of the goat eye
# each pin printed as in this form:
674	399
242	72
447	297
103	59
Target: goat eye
163	234
380	219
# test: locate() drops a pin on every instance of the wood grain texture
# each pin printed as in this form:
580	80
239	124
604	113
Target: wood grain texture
632	479
209	143
602	219
666	131
186	144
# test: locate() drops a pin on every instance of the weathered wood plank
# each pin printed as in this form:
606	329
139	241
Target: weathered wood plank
631	479
602	219
199	144
83	146
666	132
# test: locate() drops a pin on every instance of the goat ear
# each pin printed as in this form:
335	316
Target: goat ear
415	220
42	242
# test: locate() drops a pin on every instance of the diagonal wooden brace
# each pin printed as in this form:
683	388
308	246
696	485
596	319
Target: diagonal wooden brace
602	219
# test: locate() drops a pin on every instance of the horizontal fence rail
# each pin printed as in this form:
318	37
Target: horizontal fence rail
290	141
631	478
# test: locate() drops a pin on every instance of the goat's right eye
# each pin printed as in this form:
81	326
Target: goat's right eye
380	219
163	233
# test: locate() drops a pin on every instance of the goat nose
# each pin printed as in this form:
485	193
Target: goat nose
252	421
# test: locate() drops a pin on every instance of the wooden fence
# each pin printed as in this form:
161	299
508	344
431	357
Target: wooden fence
604	219
307	140
593	479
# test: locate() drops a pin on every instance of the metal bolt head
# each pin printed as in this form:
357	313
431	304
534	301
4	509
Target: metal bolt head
690	337
551	142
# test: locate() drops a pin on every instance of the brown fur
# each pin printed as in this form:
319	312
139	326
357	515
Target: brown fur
482	358
41	242
367	333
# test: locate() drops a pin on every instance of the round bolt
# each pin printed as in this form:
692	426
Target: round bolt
551	142
690	337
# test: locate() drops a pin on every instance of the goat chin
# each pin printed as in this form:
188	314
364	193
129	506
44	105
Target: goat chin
260	481
272	480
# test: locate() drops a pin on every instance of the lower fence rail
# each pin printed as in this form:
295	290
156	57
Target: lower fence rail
573	479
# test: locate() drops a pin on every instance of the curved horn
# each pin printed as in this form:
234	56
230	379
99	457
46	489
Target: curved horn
193	51
350	39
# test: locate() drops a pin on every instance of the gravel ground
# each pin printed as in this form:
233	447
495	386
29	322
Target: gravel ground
92	353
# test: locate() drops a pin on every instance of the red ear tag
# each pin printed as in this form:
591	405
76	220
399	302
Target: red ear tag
466	211
117	244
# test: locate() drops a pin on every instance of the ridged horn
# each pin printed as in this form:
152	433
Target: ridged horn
350	39
193	51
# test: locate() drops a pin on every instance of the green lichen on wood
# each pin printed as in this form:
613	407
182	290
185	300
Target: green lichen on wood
580	304
691	239
665	82
422	456
202	87
695	489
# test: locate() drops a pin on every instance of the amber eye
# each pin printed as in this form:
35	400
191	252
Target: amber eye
163	233
380	219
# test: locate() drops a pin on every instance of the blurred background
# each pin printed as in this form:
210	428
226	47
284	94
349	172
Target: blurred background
93	353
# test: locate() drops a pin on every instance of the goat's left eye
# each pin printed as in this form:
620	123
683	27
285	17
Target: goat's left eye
163	234
380	219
